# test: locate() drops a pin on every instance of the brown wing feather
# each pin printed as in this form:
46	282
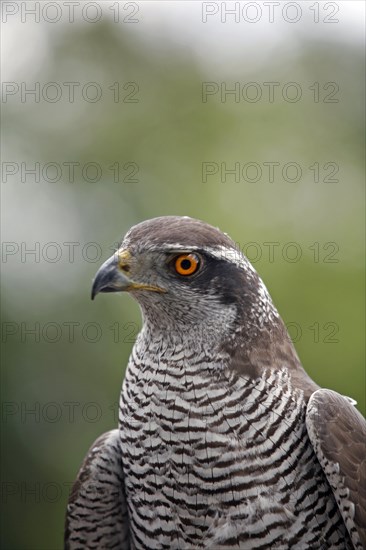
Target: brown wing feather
338	434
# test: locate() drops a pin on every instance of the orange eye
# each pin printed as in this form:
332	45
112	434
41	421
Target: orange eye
186	264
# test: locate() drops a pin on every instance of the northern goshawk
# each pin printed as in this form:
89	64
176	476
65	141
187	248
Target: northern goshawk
223	439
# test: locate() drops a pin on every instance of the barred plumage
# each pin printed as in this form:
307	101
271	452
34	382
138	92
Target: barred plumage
97	499
225	466
217	444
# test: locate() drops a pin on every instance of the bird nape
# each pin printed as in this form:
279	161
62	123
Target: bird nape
223	440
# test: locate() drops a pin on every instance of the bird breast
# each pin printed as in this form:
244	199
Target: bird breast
208	455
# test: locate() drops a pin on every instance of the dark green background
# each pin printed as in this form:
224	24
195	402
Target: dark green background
168	133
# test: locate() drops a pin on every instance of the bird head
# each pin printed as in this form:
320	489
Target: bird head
192	282
185	273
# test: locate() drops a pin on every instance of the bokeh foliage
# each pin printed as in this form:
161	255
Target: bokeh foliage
168	133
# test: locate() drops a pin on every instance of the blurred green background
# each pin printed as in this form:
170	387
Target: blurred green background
149	135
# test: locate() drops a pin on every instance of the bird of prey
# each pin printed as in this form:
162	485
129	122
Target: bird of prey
223	440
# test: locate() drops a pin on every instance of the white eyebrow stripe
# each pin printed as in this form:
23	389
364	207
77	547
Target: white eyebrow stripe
232	255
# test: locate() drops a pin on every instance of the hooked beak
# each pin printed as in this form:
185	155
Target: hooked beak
111	276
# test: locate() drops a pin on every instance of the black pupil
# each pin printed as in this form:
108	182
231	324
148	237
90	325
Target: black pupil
186	264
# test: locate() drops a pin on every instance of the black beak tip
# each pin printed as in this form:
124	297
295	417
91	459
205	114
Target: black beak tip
108	279
94	291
